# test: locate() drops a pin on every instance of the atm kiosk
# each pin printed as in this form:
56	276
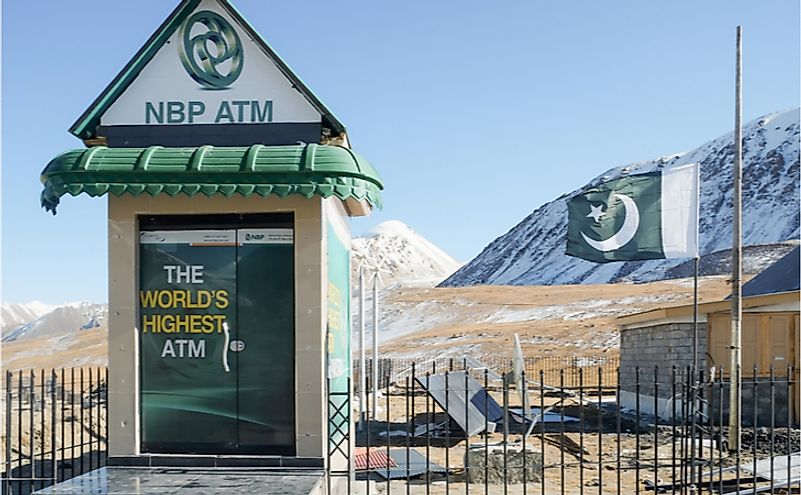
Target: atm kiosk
229	187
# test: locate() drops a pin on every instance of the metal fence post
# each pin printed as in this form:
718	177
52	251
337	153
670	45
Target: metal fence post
7	483
32	431
53	426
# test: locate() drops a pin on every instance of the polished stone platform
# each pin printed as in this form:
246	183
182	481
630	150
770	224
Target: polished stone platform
118	480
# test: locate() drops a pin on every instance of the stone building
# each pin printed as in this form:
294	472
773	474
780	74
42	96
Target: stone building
656	349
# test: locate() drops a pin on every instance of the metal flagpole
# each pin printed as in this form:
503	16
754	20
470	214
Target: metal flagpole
375	344
735	374
697	263
695	314
362	353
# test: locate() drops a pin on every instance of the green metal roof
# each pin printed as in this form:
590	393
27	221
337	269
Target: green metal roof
307	169
85	126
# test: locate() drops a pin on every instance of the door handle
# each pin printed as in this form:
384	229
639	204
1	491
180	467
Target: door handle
225	347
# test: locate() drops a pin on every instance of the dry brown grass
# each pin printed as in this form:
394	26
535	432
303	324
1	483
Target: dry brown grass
564	337
84	348
468	306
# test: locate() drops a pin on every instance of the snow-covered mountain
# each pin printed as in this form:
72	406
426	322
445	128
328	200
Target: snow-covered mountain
53	320
15	314
405	257
533	252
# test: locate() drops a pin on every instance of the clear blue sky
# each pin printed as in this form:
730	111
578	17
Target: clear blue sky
474	113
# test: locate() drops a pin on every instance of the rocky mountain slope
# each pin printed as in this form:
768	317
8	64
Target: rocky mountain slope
405	257
55	320
15	314
533	252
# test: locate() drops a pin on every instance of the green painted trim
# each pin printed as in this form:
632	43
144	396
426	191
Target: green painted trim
98	185
299	169
84	127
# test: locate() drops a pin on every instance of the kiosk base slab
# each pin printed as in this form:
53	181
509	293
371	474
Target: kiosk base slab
118	480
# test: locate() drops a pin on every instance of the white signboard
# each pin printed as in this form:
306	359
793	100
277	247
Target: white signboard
264	236
210	72
189	237
218	237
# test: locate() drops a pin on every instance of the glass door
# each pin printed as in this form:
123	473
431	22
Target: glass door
266	363
217	341
187	303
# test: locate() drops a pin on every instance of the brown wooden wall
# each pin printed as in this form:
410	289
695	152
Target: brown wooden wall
768	339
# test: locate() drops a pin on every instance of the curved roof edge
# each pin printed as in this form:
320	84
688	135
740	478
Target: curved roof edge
307	169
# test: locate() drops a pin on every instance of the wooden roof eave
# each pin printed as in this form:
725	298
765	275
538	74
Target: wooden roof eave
673	312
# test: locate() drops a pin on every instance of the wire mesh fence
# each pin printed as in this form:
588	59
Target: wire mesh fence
553	368
53	426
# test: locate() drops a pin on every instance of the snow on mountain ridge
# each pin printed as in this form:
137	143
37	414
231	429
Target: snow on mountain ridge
14	314
408	258
391	227
60	320
532	252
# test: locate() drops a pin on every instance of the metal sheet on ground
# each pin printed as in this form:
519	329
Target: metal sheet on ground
548	417
467	413
376	459
475	364
780	471
415	465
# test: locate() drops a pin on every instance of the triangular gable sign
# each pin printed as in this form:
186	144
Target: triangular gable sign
206	67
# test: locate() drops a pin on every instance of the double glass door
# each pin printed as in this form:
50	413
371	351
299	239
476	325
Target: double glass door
216	333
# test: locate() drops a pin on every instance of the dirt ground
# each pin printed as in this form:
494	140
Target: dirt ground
578	457
78	407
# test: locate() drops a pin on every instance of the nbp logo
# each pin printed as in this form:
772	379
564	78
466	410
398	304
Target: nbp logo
213	56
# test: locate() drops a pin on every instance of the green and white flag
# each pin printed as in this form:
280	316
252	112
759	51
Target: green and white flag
639	217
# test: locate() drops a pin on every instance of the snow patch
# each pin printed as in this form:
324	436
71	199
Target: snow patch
407	259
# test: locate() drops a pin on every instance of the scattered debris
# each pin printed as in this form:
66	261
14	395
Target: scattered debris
780	470
464	399
408	464
374	459
497	464
476	365
568	445
428	429
537	415
779	475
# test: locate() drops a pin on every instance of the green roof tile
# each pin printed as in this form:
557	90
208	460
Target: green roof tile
306	170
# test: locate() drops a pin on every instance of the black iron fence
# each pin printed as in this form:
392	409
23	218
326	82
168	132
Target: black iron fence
455	429
471	427
53	426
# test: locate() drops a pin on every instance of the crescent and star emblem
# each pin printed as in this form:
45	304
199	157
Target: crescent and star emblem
627	231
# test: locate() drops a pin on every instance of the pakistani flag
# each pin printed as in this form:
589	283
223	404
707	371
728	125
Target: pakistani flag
639	217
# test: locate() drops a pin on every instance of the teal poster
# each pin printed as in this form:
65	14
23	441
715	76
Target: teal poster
338	335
